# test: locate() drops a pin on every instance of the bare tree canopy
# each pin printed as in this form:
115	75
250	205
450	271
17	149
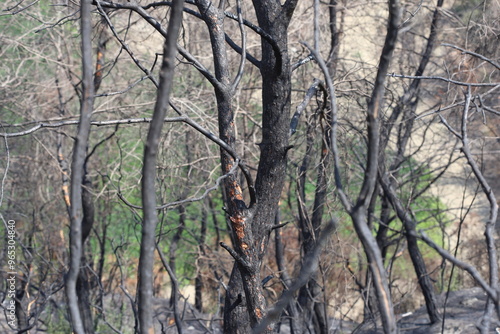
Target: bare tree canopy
249	166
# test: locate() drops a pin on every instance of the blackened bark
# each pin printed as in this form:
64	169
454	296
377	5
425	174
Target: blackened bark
85	278
418	262
83	285
101	49
252	226
335	35
237	319
423	277
83	288
198	292
148	243
276	90
236	316
408	102
88	208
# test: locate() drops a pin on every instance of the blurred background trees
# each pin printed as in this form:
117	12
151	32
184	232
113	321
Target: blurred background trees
283	123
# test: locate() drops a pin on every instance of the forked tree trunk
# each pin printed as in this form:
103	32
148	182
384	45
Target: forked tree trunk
252	229
251	223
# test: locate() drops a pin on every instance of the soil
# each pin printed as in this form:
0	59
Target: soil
462	315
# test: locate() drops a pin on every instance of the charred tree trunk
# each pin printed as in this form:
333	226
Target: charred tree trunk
359	211
84	281
83	288
148	192
77	173
276	89
251	224
83	284
236	208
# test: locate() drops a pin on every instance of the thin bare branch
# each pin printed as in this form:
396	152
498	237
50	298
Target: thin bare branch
455	82
6	170
187	200
302	62
11	12
334	126
157	25
241	68
489	232
124	45
463	265
412	15
183	118
448	126
302	106
239	259
477	55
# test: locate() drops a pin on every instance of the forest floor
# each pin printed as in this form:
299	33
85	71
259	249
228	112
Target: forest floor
462	315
